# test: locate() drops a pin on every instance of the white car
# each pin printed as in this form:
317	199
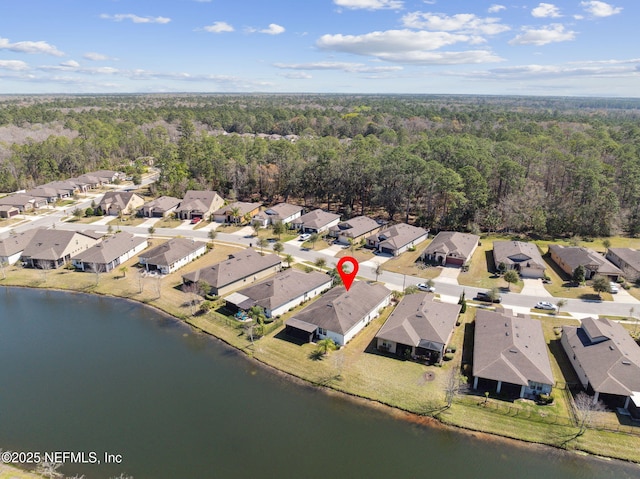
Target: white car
614	287
426	287
545	305
304	237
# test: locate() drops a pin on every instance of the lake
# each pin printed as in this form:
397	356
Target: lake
87	374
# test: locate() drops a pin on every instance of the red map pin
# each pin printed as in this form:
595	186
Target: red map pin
347	278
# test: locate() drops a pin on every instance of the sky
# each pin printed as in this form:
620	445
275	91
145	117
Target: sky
565	48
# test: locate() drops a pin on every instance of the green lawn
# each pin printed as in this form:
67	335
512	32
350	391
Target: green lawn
561	286
406	263
127	221
168	222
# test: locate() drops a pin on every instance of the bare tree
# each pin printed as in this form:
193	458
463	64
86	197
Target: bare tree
3	265
377	270
45	266
191	290
140	281
456	384
48	470
585	409
159	285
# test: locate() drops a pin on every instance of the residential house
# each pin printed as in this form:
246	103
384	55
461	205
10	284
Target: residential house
199	204
316	221
236	212
627	259
450	248
279	294
354	230
8	211
23	202
107	176
116	202
511	351
523	257
172	255
50	249
339	314
397	239
110	253
282	212
11	247
160	207
240	269
568	258
419	327
606	359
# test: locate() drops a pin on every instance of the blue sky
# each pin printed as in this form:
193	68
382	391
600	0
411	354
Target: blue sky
566	47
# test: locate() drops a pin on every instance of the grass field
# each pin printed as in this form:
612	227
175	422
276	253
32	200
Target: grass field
406	263
481	272
10	472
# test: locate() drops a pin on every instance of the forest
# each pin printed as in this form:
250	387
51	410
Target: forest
544	166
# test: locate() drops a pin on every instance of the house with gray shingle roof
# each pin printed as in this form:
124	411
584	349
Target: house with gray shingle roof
109	253
284	213
511	350
23	202
419	327
568	258
280	293
521	256
316	221
160	207
172	255
354	229
11	247
236	212
8	211
240	269
627	259
397	239
606	359
199	204
114	202
450	248
339	314
50	249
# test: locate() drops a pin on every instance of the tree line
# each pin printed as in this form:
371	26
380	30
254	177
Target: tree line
536	165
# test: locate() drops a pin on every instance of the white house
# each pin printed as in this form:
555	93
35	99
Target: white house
110	253
172	255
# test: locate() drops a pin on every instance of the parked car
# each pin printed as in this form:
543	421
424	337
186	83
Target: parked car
545	305
195	220
615	287
304	237
426	287
482	296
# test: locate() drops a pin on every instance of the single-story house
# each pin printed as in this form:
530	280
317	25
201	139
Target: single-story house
160	207
87	181
450	248
50	249
50	195
284	213
241	268
316	221
172	255
354	230
339	314
11	247
23	202
236	212
521	256
109	253
107	176
279	294
419	327
8	211
114	202
199	204
568	258
397	239
627	259
606	359
511	350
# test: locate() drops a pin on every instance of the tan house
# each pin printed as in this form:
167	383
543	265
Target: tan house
236	212
525	258
8	211
160	207
511	352
116	202
283	213
109	253
419	327
354	230
450	248
568	258
11	247
23	202
240	269
397	239
199	204
172	255
316	221
627	259
50	249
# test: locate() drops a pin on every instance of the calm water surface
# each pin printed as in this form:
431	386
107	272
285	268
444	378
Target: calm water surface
84	373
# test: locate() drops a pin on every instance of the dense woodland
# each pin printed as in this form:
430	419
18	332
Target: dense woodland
544	166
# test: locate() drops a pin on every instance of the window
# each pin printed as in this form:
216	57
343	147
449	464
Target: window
322	331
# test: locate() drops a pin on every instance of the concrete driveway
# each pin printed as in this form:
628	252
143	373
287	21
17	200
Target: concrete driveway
535	287
449	275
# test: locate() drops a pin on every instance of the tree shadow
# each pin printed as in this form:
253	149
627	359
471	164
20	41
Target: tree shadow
317	355
590	297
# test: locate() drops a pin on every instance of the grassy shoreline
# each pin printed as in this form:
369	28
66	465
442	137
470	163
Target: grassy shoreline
356	371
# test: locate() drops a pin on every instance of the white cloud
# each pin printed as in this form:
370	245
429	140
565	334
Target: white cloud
495	8
370	4
70	64
13	65
30	47
462	22
342	66
219	27
134	18
96	57
542	36
546	10
297	75
274	29
600	9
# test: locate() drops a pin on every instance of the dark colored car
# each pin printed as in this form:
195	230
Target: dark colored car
487	298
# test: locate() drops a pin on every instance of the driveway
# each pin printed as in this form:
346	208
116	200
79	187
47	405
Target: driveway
449	275
623	296
535	287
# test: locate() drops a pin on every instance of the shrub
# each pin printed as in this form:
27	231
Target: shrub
451	349
448	356
545	399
